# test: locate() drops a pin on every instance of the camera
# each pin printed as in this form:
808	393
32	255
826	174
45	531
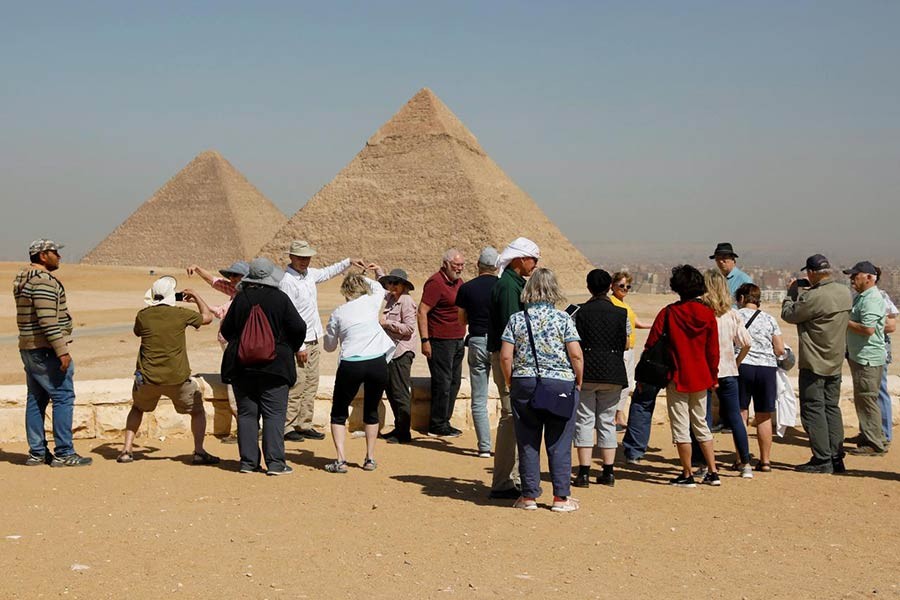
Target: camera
179	296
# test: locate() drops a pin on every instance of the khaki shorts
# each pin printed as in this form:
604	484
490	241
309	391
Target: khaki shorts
186	397
686	412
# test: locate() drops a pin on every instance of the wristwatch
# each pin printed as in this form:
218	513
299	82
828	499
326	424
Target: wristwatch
425	340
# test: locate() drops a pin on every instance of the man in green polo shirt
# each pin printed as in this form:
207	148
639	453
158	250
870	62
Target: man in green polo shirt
866	354
517	261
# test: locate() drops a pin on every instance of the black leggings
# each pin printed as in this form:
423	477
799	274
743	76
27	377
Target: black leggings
373	374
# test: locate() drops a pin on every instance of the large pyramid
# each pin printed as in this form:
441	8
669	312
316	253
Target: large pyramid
208	214
421	185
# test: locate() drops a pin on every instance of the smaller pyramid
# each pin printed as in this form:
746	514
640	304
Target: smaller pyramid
207	214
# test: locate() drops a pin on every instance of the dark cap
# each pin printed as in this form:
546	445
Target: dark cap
396	276
724	249
816	262
863	266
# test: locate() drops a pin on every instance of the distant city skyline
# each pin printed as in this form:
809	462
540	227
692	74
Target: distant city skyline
647	130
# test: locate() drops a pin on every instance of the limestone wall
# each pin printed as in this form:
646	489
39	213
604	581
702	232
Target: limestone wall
101	406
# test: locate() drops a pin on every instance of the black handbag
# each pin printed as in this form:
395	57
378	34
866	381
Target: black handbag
556	397
656	365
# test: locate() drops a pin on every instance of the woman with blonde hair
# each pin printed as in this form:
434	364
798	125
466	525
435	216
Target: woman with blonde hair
365	351
732	334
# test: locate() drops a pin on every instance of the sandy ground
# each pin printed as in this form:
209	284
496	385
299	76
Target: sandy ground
421	525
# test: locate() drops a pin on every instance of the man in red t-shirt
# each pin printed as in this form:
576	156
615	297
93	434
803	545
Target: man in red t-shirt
442	340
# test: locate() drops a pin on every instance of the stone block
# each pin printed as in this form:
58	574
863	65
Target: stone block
97	392
13	395
164	421
211	386
222	419
109	421
12	424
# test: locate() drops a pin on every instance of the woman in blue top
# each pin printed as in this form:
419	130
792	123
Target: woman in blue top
557	361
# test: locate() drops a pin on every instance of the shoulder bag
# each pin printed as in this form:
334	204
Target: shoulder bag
656	365
554	396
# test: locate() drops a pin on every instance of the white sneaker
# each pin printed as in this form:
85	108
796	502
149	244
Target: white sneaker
747	471
484	454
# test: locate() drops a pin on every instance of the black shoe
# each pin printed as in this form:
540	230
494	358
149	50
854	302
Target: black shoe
582	480
606	479
286	470
711	479
837	464
445	432
684	481
293	436
398	438
815	466
256	469
311	434
510	494
36	461
391	433
72	460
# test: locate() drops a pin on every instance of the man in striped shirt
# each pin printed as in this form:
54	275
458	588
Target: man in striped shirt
45	329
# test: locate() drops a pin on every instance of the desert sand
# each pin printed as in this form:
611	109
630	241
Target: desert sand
420	526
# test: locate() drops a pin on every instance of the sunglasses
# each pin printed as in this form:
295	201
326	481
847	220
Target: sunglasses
623	286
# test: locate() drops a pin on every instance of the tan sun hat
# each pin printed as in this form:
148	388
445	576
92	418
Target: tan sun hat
301	248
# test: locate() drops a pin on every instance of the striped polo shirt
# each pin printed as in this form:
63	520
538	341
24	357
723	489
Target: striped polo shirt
41	311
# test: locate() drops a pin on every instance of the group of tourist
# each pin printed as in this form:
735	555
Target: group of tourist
563	376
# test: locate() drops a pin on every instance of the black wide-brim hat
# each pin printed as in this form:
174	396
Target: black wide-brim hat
724	249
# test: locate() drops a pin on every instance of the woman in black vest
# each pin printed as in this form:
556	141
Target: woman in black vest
604	330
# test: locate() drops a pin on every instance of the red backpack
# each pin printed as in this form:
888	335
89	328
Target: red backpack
257	344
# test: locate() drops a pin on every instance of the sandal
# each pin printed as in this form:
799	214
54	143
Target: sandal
369	464
125	457
568	505
338	466
763	467
525	503
204	458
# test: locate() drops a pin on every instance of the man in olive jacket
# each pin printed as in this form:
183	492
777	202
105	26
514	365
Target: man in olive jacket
821	313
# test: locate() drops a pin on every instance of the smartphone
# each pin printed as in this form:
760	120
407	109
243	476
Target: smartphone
179	296
572	309
803	283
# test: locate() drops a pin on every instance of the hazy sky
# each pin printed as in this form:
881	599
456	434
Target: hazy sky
764	123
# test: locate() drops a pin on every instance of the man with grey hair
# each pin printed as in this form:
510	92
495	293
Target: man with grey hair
474	304
442	340
821	313
299	283
866	355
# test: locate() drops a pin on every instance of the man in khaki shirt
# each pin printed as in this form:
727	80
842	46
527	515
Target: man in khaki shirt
821	312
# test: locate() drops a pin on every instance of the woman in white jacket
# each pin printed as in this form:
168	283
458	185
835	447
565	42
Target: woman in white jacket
365	351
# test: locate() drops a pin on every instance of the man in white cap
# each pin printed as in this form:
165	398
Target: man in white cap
162	364
45	331
517	261
299	283
473	301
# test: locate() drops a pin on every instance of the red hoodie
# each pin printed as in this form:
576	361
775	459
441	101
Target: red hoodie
694	341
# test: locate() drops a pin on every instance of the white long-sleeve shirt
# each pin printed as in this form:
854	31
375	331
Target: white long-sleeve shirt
355	325
301	289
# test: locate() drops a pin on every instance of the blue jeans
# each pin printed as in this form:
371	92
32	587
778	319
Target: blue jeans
884	401
479	375
640	415
46	384
730	411
557	432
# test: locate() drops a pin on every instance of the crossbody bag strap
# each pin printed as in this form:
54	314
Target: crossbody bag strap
537	367
750	322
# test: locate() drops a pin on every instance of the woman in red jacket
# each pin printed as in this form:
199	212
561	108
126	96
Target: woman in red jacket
694	344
